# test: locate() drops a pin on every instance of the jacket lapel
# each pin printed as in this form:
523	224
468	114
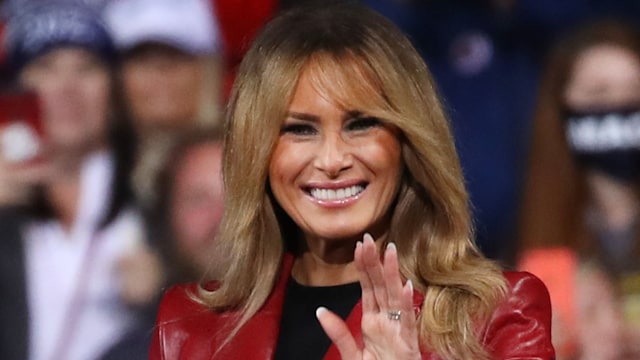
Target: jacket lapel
259	336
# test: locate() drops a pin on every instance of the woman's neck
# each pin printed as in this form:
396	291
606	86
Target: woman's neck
64	195
311	270
327	262
64	189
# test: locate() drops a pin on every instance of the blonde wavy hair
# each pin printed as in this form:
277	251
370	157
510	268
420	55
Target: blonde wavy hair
381	73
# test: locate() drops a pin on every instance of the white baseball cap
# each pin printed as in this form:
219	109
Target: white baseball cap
189	25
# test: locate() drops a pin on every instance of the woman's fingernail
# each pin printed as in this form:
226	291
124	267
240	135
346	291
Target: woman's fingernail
391	245
367	236
410	284
358	244
320	310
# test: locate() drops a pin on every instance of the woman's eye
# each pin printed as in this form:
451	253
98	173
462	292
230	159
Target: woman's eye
298	129
363	123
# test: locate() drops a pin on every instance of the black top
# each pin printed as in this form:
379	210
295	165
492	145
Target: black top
14	327
301	336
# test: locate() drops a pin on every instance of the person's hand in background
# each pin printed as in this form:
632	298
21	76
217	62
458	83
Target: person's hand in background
141	276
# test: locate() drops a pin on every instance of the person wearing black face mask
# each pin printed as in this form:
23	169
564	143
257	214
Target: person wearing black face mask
580	213
607	140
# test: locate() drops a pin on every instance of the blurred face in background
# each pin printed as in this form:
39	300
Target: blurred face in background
603	100
74	89
197	202
162	86
604	76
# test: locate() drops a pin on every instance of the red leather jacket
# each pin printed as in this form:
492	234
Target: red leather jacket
520	327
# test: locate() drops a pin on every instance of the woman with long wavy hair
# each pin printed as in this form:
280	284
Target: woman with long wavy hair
344	192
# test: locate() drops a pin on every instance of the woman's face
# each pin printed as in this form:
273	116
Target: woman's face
604	76
197	202
162	87
335	171
603	99
74	88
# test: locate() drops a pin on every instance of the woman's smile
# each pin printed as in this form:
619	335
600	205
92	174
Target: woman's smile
336	194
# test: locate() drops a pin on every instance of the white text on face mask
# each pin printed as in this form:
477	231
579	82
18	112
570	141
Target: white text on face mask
607	132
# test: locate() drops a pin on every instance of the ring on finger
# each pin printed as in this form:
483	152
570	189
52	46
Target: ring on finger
394	315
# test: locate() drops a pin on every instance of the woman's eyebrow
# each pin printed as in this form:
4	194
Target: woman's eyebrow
354	114
302	116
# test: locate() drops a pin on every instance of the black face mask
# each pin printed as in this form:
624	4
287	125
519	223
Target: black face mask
607	141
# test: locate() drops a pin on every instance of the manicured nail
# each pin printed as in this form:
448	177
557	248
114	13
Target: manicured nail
391	245
367	236
320	310
410	285
358	244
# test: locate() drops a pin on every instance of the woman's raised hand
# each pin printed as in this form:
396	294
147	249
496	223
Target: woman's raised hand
389	326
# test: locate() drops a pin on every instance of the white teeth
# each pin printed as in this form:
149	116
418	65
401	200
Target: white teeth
331	194
339	194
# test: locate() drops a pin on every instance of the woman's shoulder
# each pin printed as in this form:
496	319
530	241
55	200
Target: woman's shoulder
520	326
524	283
180	303
526	295
187	327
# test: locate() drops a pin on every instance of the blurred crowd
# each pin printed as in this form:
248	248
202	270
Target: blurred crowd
111	140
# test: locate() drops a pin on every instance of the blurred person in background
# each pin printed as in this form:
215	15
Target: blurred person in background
486	57
171	72
183	221
76	273
190	203
581	205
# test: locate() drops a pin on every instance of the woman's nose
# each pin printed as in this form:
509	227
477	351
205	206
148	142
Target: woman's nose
333	155
61	86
